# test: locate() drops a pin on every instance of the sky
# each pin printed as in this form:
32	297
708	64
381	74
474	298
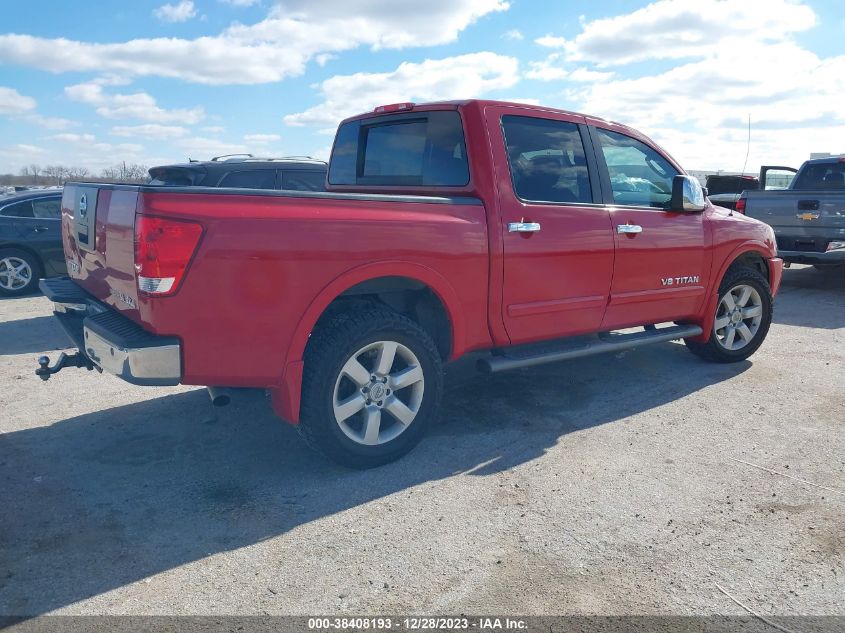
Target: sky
95	83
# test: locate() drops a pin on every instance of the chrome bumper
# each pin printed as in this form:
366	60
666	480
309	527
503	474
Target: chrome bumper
111	341
158	364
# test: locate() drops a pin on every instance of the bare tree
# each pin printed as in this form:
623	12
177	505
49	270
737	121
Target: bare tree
110	173
34	170
52	172
77	173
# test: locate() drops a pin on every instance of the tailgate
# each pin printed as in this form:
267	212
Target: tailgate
804	209
98	223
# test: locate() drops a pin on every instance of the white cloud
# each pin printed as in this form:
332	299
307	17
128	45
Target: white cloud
181	12
203	148
51	122
293	33
262	138
526	100
453	77
550	41
213	129
73	138
513	34
150	130
549	69
241	3
139	105
13	102
674	29
739	58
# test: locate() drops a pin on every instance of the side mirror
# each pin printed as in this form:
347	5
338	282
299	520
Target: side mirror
687	194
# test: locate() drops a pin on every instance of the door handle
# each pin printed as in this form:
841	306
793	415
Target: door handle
808	205
40	229
629	229
523	227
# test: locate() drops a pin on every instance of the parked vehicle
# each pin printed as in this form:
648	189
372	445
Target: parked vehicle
448	227
30	240
724	190
245	171
808	216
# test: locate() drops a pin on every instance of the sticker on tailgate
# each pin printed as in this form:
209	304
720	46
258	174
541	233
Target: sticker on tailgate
84	217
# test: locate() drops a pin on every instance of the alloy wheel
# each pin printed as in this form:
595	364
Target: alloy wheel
378	393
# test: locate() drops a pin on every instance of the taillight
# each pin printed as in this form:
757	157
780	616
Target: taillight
163	250
740	205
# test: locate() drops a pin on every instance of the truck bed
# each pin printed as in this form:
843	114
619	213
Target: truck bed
805	221
268	254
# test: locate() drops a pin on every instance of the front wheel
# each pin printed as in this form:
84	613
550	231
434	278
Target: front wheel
743	317
372	385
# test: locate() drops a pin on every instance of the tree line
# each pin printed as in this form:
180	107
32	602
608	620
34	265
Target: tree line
57	175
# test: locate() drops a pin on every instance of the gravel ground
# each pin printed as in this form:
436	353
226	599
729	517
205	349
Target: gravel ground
627	484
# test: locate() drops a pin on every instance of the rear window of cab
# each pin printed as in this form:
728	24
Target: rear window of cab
414	149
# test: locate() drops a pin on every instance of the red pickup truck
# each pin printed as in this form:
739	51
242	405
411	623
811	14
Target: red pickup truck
531	233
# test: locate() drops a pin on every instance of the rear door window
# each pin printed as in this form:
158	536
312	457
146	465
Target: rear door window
250	179
547	160
174	176
639	175
822	176
47	208
18	210
425	149
304	180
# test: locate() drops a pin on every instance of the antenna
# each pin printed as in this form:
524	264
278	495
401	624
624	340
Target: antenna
747	146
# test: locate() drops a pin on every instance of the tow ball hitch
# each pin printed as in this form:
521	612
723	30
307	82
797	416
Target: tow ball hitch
77	359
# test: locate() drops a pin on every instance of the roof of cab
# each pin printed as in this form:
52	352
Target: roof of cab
482	103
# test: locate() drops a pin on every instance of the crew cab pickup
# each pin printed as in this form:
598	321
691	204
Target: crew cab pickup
526	233
808	216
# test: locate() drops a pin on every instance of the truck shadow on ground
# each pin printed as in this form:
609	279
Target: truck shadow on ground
35	335
105	499
812	298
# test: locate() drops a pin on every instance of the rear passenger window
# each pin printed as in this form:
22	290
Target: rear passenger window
250	179
48	208
425	149
19	210
304	180
546	160
639	176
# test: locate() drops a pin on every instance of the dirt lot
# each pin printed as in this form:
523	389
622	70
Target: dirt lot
622	484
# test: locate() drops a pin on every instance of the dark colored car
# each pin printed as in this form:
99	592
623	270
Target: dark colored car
245	171
724	190
30	240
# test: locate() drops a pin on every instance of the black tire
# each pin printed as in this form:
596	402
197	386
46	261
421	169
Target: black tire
33	266
330	348
713	350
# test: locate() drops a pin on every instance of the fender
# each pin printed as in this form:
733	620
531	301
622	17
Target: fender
286	397
712	297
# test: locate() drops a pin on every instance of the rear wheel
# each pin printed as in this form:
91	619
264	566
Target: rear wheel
743	317
372	385
19	272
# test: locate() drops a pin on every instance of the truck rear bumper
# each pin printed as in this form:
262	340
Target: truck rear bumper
111	341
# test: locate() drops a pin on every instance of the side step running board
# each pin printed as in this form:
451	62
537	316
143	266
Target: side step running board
577	348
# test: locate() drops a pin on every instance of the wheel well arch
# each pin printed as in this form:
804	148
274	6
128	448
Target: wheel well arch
404	295
752	259
435	303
